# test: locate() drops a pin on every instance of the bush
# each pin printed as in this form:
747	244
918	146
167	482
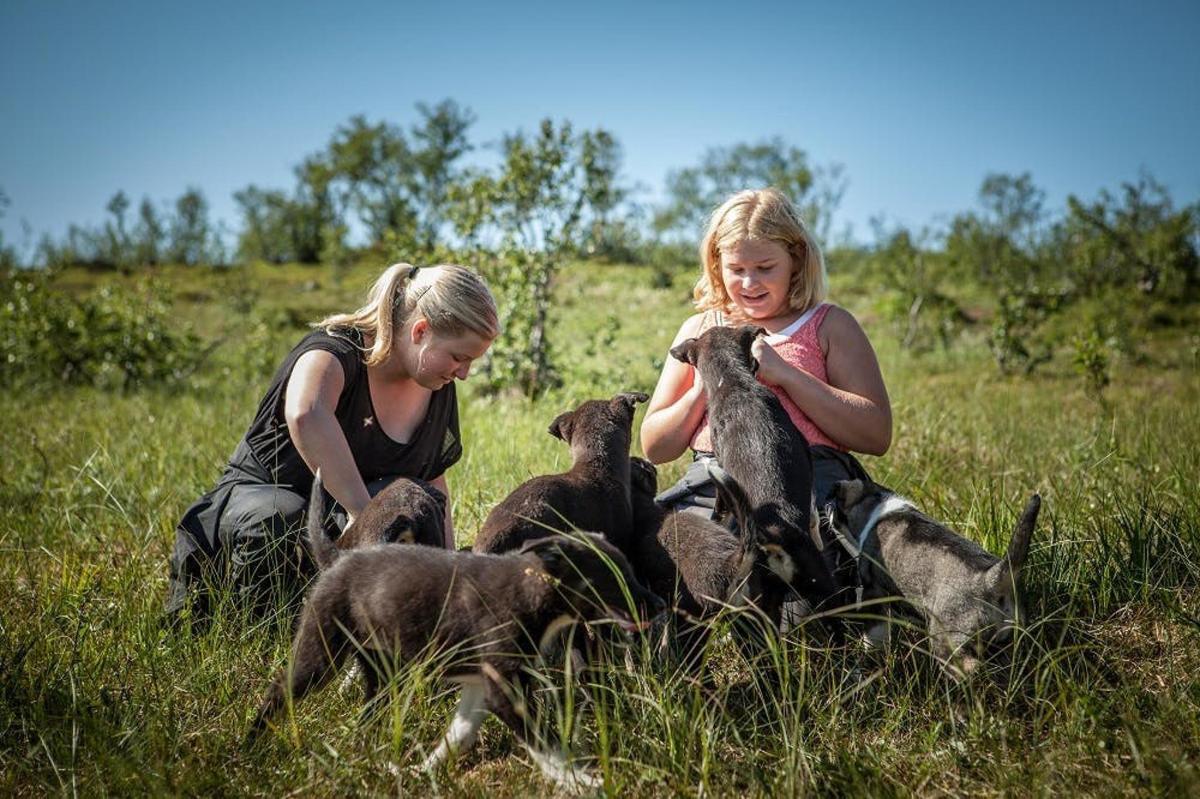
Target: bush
1092	362
117	338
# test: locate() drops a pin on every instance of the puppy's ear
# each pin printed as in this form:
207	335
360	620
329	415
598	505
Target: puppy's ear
685	351
561	426
848	492
747	334
549	550
436	493
630	398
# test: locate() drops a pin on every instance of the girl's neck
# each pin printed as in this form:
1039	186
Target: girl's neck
392	371
772	324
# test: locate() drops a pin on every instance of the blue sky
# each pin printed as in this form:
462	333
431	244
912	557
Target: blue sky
918	100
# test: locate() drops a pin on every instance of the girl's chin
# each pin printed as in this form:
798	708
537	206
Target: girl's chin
433	382
758	311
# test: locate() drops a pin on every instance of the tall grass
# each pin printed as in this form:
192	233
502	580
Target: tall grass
1098	697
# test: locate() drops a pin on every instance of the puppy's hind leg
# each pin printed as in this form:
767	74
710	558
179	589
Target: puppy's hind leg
460	736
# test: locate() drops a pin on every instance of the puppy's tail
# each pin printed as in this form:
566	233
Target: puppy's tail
731	495
323	550
1019	546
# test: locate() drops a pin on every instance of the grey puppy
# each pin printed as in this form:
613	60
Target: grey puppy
485	618
967	596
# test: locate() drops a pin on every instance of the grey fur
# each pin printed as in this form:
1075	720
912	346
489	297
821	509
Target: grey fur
967	596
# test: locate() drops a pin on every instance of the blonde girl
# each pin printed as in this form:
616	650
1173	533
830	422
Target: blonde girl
367	397
760	266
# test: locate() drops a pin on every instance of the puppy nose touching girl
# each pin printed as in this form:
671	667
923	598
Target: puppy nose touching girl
366	397
759	265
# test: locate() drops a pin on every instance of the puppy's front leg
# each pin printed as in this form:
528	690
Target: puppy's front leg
460	736
549	760
561	772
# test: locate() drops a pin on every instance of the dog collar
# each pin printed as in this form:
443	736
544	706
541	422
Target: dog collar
893	504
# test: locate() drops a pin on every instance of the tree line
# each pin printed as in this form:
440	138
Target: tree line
390	191
406	189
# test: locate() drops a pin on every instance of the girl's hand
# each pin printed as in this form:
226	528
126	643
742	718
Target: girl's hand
772	369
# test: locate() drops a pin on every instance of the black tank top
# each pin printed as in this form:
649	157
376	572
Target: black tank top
267	453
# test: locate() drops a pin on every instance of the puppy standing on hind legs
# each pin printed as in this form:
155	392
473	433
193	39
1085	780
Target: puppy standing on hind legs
769	458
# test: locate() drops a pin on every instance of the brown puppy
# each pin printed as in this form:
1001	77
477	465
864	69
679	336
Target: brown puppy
406	511
593	495
484	618
762	450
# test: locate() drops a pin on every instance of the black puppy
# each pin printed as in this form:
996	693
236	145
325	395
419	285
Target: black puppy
406	511
485	618
593	495
703	566
760	447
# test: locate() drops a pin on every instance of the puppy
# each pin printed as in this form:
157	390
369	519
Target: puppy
406	511
967	596
592	495
768	457
701	565
484	618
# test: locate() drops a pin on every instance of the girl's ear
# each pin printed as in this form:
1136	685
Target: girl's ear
419	331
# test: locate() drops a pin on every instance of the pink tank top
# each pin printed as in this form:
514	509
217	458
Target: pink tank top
802	349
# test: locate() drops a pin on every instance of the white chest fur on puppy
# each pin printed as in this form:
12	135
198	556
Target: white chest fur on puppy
967	596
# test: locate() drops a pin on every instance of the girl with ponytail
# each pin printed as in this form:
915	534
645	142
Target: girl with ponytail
366	397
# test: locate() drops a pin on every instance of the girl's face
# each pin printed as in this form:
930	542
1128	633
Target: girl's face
757	275
439	359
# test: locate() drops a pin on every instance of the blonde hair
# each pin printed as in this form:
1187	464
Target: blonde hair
759	215
452	298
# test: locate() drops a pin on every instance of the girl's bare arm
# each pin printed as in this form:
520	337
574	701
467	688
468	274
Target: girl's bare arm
677	406
309	405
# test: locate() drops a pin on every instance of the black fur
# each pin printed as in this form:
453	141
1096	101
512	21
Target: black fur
760	447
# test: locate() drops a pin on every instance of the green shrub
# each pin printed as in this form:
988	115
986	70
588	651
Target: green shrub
1018	340
116	338
1091	359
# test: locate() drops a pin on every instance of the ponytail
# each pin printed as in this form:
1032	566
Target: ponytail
452	298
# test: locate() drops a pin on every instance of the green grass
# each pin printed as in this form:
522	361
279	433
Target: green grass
1100	697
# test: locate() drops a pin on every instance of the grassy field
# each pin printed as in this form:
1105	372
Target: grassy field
1101	696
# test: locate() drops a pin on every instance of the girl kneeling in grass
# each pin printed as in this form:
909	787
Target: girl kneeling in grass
366	397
